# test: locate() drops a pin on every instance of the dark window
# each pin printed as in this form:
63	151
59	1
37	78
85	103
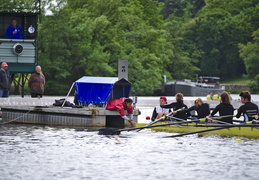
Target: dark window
27	21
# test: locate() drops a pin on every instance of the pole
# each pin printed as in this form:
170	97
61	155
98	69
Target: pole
68	95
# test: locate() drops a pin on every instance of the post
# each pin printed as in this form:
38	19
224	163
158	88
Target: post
68	94
165	79
123	69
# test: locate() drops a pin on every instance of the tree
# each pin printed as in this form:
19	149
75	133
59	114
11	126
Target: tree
180	8
218	29
174	38
250	54
108	31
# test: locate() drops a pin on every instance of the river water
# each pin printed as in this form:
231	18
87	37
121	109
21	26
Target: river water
32	152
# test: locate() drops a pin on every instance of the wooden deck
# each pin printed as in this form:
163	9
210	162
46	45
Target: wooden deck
41	111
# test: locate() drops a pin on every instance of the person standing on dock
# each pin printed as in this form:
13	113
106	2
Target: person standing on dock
36	83
178	105
5	80
225	108
249	110
121	105
159	111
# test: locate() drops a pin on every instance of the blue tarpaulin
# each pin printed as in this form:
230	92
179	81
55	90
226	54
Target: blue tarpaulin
99	90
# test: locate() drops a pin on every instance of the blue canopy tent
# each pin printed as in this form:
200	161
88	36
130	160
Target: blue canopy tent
98	90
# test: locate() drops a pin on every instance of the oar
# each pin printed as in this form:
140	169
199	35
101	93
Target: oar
214	120
160	119
195	132
226	125
112	131
179	119
201	120
207	130
221	117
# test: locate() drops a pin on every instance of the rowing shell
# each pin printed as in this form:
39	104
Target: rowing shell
249	132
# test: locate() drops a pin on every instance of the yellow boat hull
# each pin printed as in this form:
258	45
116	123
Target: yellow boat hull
249	132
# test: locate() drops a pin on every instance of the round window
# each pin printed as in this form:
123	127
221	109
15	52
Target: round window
18	49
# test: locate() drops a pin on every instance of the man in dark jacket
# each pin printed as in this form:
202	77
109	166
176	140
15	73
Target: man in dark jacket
36	83
5	80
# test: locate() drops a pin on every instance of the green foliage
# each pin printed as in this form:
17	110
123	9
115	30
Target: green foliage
24	5
250	54
90	37
218	29
253	85
176	38
180	8
252	65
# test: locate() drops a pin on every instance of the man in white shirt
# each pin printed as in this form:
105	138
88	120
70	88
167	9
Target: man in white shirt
159	111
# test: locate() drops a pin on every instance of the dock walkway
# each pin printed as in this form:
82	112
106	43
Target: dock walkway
41	111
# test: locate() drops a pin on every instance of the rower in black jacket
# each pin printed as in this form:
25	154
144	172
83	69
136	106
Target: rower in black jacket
178	105
202	109
225	108
249	110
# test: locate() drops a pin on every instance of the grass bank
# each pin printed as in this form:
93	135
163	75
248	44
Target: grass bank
236	85
236	80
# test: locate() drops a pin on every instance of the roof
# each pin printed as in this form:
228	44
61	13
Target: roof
209	77
99	90
100	80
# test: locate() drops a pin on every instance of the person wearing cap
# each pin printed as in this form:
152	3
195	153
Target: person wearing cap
36	83
5	80
159	111
14	31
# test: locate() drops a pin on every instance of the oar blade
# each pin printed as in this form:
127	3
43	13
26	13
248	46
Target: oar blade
109	131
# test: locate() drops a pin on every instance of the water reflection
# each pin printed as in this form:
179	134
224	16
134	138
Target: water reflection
43	152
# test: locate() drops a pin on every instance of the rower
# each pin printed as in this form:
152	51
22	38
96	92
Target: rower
159	111
249	110
179	104
202	109
224	108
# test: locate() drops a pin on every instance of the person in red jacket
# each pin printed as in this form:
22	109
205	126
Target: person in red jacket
121	105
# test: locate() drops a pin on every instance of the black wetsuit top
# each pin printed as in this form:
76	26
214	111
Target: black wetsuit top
248	110
177	106
224	110
202	111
